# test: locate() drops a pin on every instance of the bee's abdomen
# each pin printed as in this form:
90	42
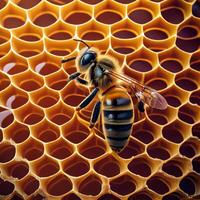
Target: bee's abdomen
118	118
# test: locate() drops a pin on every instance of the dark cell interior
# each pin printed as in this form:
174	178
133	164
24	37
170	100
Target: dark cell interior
186	84
124	34
92	36
141	196
13	22
28	53
60	2
108	17
196	164
124	50
196	130
16	69
144	136
108	197
141	65
7	152
172	168
188	32
45	19
71	196
158	152
60	119
172	134
20	134
31	185
188	185
46	68
62	35
157	84
77	18
156	34
27	4
140	16
6	187
188	45
172	65
187	149
48	135
19	170
173	15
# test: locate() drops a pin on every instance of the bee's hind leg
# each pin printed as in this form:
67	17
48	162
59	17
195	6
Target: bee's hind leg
95	114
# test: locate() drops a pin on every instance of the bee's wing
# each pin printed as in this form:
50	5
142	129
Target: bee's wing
150	96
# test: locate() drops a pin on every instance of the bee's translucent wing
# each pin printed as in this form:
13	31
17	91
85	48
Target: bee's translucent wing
150	96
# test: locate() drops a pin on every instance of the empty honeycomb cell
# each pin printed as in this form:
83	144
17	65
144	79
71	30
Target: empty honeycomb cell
17	169
174	11
6	187
60	149
29	185
142	12
189	148
133	148
109	13
173	196
59	185
26	4
174	132
75	131
76	166
6	117
189	184
45	166
175	96
60	31
13	97
13	64
126	29
71	196
196	164
107	166
17	132
4	36
25	48
92	148
195	61
123	185
5	81
91	185
16	196
31	149
92	30
12	16
161	149
158	185
60	2
143	60
45	131
76	13
45	97
144	195
196	130
173	60
7	152
44	15
108	196
3	4
188	113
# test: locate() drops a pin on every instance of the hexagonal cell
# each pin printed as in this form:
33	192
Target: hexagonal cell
76	166
7	152
26	4
176	132
56	80
133	148
13	64
29	185
189	113
92	148
60	113
91	185
17	132
17	169
75	131
80	15
45	166
6	117
4	80
161	149
174	11
107	166
123	185
190	184
141	12
31	149
190	148
6	187
60	149
93	31
12	16
58	185
44	15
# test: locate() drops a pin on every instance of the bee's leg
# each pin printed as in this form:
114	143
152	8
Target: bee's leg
88	99
82	81
73	76
95	114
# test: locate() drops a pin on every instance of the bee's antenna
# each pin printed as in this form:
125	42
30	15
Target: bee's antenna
67	60
82	42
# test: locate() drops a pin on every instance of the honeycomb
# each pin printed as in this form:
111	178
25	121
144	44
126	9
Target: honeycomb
47	150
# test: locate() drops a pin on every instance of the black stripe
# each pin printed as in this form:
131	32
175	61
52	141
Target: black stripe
117	102
118	127
118	114
114	146
117	138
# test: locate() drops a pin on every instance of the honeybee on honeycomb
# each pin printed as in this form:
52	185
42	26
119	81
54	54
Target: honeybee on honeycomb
115	103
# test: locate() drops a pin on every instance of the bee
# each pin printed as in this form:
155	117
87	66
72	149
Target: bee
115	103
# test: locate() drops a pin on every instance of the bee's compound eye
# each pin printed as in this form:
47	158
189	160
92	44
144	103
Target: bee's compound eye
87	58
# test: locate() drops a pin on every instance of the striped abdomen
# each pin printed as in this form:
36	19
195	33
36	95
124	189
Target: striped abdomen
118	117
